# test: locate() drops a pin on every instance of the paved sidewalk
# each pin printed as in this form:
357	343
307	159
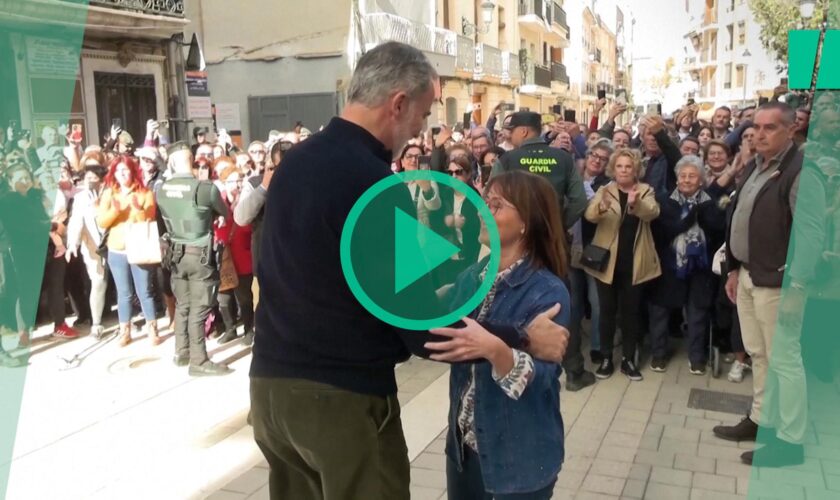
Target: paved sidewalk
625	440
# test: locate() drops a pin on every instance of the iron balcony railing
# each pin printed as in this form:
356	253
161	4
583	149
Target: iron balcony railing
488	61
382	27
558	73
160	7
558	16
535	7
465	58
535	74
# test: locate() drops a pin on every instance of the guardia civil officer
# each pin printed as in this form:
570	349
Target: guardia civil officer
558	166
188	207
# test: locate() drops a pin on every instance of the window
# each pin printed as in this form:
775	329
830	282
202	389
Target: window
742	33
727	82
731	40
739	76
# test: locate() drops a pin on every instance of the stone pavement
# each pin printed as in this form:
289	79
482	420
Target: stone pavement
624	440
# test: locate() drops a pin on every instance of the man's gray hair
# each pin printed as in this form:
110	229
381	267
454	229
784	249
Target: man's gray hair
788	113
388	68
692	161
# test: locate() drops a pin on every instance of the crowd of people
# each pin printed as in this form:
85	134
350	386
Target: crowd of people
664	228
99	205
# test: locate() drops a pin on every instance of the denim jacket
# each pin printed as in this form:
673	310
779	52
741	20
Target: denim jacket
520	443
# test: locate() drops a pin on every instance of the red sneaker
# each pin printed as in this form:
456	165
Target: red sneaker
65	332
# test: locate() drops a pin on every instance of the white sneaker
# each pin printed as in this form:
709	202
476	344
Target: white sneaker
736	373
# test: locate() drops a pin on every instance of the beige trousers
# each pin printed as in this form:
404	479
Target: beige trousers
779	388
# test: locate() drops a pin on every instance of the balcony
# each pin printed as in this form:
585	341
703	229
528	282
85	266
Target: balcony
559	26
488	62
465	57
510	69
536	79
382	27
535	15
589	89
558	73
173	8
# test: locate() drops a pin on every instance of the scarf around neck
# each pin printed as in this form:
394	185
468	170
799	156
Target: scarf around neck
690	246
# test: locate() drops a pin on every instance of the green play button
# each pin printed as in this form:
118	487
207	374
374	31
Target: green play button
398	264
419	250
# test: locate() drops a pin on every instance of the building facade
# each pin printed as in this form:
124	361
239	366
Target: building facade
124	66
724	57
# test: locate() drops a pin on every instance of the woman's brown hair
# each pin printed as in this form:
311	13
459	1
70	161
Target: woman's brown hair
462	162
719	143
535	199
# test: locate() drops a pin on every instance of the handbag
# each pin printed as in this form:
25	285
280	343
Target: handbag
596	258
142	243
228	279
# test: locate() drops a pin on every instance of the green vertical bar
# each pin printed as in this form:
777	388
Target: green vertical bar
802	398
23	242
802	52
829	77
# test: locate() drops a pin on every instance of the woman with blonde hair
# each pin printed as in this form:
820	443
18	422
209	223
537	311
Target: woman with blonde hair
622	212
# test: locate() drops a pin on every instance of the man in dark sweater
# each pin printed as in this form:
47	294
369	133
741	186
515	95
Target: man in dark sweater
323	390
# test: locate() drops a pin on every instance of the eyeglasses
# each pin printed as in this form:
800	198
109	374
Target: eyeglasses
496	204
600	158
460	171
411	157
257	152
237	182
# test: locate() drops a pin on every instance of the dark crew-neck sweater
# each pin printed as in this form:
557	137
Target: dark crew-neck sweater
309	325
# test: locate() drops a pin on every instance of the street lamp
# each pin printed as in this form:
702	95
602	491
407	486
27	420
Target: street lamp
487	9
806	8
746	54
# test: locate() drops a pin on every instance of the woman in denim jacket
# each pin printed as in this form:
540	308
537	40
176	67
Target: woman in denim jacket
505	438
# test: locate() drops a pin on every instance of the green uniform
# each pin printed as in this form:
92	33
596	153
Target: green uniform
554	164
188	207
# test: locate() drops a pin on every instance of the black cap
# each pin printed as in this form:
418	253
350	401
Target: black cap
525	119
178	146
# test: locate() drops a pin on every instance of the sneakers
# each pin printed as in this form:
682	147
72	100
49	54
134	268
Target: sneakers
628	368
181	359
63	331
606	369
596	357
745	430
776	453
696	368
248	338
10	361
209	368
228	337
577	381
658	365
736	372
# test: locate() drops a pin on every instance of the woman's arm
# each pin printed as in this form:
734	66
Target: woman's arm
432	203
646	207
107	213
149	207
594	211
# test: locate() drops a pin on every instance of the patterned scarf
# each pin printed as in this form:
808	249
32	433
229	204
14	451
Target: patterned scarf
690	246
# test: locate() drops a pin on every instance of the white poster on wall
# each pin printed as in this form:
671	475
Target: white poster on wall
199	108
227	116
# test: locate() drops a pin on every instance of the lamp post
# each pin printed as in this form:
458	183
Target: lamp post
470	29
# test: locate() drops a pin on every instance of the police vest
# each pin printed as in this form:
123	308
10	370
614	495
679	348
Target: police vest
187	222
552	163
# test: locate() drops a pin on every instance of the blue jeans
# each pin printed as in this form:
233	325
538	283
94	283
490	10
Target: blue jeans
467	484
124	273
582	288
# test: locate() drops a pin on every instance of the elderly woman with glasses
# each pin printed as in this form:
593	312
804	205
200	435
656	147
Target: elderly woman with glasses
257	152
690	228
583	286
424	193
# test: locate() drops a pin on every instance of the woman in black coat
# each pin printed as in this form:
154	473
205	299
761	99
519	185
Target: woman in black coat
690	228
461	222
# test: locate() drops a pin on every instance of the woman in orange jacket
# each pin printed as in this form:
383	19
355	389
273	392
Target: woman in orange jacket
124	201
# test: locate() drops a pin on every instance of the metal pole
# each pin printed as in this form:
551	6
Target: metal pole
746	77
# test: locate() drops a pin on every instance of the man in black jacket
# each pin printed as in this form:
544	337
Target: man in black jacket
323	392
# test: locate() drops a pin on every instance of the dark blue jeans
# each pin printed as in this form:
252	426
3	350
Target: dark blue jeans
124	273
469	485
697	318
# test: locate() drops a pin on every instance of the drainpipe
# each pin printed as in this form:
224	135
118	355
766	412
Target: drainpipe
177	105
